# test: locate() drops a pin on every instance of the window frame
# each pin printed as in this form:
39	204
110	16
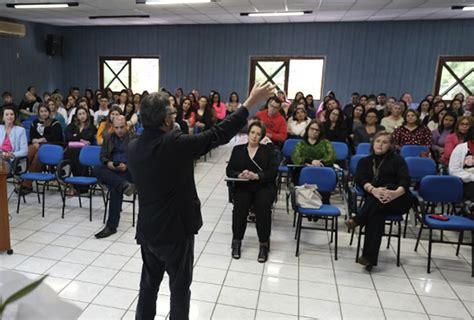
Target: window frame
286	60
129	58
442	63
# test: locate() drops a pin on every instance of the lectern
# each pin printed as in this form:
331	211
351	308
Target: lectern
4	220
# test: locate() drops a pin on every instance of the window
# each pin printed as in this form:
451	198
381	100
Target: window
290	74
454	75
136	73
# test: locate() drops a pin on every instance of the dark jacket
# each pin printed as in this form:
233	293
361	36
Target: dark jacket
162	167
240	161
393	172
74	134
53	133
109	144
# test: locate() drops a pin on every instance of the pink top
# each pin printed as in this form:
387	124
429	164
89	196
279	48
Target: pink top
451	142
7	145
220	110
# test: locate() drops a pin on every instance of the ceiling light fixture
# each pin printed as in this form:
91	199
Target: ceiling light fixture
132	16
275	14
161	2
50	5
463	8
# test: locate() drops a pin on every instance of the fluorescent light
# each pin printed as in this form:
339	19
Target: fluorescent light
463	8
275	14
141	16
42	5
158	2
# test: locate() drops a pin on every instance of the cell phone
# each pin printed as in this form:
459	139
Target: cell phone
439	217
116	164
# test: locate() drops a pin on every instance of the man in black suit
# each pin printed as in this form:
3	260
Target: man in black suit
161	161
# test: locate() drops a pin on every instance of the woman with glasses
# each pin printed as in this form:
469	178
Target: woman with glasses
455	138
367	132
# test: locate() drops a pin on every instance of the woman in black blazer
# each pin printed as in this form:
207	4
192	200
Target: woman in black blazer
256	163
385	179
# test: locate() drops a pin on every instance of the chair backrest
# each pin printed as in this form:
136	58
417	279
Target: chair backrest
50	154
325	178
419	167
441	189
363	148
342	150
289	147
354	162
90	156
139	130
412	150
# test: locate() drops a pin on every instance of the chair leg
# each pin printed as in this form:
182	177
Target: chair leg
298	231
461	236
63	197
389	234
297	217
133	209
287	202
406	225
42	205
106	205
90	203
358	243
37	191
19	197
399	244
332	229
294	218
419	236
80	200
428	268
472	253
352	237
335	240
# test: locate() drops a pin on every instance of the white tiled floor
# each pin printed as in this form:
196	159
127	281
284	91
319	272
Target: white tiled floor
102	276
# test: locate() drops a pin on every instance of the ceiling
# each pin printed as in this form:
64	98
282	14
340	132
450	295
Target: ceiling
228	11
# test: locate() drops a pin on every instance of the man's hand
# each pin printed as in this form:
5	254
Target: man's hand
122	167
259	94
316	163
110	165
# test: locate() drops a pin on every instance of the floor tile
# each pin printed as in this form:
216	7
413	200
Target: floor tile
247	266
319	309
205	291
280	285
400	301
318	291
445	307
278	303
66	270
224	312
94	312
116	297
395	284
97	275
433	288
243	280
209	275
359	296
81	291
110	261
127	280
81	256
53	252
238	297
36	265
356	312
265	315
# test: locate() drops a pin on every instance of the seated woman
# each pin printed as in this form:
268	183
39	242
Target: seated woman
394	120
446	127
188	115
105	127
412	131
436	115
13	142
205	115
297	123
43	130
424	110
54	114
314	150
255	162
368	131
461	164
334	127
79	133
131	116
384	177
455	138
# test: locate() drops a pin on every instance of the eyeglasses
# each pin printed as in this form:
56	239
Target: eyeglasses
314	129
464	124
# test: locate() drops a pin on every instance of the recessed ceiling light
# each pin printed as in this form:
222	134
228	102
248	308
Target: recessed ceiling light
132	16
463	8
51	5
275	14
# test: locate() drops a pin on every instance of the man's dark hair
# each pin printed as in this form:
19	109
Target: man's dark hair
273	98
6	94
154	110
470	134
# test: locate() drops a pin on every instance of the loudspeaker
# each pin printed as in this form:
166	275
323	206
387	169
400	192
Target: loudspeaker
54	45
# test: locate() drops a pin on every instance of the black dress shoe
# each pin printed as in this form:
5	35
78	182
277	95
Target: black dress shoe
236	244
106	232
366	263
263	253
351	224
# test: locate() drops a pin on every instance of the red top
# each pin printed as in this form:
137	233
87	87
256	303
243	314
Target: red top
451	142
7	145
192	118
275	125
420	136
221	111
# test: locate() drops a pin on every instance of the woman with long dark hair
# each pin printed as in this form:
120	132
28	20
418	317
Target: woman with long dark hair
205	115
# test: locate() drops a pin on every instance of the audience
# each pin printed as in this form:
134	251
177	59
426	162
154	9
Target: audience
205	115
105	127
233	103
461	164
254	162
448	123
455	138
297	123
334	127
412	132
274	122
13	143
367	132
218	106
395	119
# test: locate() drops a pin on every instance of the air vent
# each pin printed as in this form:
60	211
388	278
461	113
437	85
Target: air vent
12	29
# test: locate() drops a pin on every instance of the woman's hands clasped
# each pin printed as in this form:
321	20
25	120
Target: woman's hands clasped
385	195
247	174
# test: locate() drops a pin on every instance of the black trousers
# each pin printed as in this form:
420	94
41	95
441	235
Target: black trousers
261	200
469	191
372	215
177	260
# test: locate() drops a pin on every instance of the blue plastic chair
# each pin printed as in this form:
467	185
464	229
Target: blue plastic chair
89	157
140	130
51	156
363	148
325	178
412	150
445	190
342	150
342	154
287	151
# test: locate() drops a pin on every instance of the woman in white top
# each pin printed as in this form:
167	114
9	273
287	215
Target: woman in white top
461	164
394	120
297	123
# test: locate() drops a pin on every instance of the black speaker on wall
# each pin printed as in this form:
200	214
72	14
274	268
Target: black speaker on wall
54	45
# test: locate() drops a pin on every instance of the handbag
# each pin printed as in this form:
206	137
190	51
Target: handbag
75	144
307	196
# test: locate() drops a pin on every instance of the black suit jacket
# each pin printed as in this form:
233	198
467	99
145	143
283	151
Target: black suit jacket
162	167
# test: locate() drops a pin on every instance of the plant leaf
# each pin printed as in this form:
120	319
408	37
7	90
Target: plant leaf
23	292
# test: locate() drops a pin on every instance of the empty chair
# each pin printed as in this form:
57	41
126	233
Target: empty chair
363	148
413	150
